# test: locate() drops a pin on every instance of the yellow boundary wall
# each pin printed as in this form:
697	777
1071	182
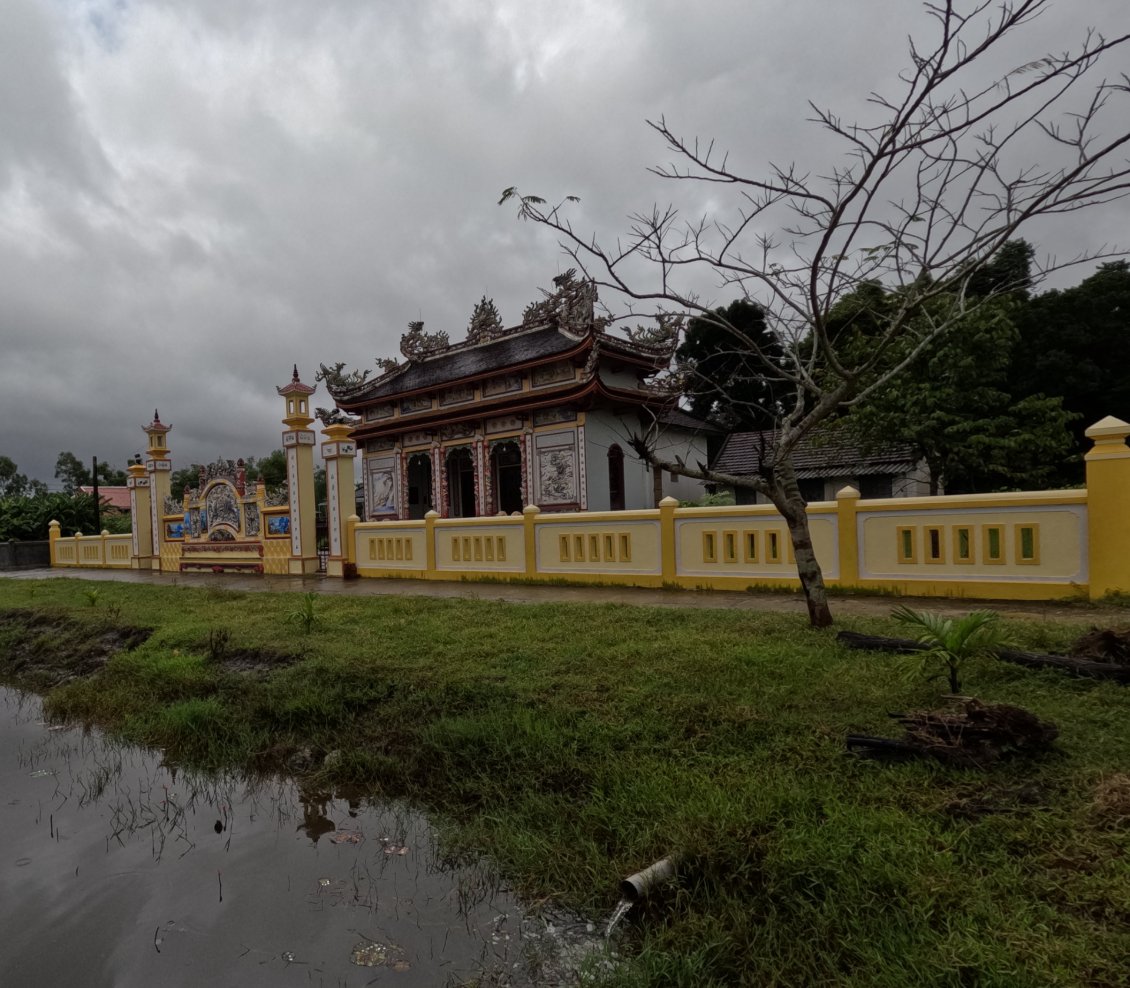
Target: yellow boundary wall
103	551
1041	545
1028	546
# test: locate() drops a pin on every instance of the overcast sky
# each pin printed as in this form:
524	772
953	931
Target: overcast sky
197	194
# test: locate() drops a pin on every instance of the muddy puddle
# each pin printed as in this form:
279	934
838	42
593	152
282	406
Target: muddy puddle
118	871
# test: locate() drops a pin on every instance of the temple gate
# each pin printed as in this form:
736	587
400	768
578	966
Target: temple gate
224	524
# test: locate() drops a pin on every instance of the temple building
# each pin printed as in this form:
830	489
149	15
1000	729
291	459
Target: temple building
539	414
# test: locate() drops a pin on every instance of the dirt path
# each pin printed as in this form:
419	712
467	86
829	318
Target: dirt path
789	603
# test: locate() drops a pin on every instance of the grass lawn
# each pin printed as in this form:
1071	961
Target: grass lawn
577	743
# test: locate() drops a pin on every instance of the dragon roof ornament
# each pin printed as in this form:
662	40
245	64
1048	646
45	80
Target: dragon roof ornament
418	345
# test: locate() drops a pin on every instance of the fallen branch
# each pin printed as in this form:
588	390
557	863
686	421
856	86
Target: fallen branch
1034	660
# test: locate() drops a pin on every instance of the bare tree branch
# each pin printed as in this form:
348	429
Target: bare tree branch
919	200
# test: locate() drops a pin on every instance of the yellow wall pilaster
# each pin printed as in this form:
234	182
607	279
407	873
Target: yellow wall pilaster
847	500
529	517
53	531
667	508
351	539
430	541
1108	521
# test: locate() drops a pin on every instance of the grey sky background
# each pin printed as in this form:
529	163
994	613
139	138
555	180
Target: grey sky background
197	194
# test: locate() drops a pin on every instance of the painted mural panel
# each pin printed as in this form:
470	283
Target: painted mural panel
503	385
378	412
278	526
557	476
562	371
556	469
223	507
381	486
549	416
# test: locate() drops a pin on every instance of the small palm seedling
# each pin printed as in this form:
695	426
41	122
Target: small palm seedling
306	615
953	640
92	595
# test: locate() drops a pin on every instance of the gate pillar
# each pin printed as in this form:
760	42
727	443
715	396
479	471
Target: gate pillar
298	442
338	451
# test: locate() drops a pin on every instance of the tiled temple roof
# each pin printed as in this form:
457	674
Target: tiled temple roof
459	363
814	457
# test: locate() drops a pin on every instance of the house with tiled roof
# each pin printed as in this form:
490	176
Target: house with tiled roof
110	497
540	413
824	463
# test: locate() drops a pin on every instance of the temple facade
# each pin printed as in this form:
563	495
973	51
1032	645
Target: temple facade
538	414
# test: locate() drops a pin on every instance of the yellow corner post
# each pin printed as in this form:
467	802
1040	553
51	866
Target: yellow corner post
1108	521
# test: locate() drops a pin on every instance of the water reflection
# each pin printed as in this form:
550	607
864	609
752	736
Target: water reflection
121	871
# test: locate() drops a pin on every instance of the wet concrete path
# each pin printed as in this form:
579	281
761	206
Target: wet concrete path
116	870
790	603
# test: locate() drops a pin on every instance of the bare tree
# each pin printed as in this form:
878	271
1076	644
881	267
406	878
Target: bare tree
917	201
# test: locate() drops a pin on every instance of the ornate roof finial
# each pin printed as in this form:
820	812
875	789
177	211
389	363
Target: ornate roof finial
486	324
295	378
416	344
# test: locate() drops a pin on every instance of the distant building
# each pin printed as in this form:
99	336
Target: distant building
823	465
110	497
539	414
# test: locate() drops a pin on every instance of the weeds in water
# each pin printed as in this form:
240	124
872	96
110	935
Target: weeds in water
306	615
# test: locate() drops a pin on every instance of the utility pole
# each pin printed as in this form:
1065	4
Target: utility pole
97	510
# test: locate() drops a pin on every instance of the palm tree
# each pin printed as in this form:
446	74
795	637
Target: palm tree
953	640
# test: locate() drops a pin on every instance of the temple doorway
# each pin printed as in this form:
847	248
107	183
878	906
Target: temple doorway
506	475
615	478
460	483
419	485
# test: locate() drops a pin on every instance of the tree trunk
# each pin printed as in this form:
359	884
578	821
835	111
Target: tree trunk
786	497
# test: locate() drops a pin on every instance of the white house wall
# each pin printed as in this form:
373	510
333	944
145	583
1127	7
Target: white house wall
602	430
679	444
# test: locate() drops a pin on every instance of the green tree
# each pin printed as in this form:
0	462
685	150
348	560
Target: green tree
108	476
12	482
269	471
182	480
70	472
954	405
1072	344
27	518
721	360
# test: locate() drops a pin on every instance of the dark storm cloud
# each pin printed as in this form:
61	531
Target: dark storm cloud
195	195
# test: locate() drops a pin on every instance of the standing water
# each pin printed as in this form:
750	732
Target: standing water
118	870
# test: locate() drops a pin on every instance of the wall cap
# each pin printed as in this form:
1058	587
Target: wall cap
1108	428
